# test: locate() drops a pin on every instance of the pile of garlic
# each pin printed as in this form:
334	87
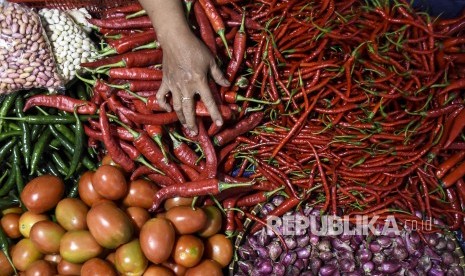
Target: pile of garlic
70	44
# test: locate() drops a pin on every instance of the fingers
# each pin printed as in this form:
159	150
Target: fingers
217	75
209	102
161	97
177	105
188	109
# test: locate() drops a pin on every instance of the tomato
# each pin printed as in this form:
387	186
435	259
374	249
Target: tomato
206	267
109	225
214	222
158	270
5	268
86	190
111	258
157	239
187	220
106	160
27	220
79	246
138	217
66	268
220	249
53	258
41	268
188	250
97	267
10	224
24	253
129	259
46	236
42	193
110	182
71	214
140	194
178	269
178	201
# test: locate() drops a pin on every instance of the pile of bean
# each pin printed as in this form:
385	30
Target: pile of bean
308	253
35	142
70	44
26	58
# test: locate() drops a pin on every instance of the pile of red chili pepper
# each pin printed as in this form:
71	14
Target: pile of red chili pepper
354	107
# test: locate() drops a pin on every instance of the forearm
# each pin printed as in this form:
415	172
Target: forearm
168	19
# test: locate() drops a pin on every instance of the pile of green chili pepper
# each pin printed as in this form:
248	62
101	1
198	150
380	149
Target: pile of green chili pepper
40	141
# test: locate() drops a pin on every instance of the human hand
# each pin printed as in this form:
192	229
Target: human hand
187	63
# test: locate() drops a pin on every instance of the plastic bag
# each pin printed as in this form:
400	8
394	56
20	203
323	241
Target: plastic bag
26	59
70	44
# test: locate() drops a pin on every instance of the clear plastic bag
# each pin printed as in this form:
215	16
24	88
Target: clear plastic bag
26	59
70	44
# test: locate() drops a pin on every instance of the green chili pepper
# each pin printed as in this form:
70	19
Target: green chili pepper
8	202
5	247
11	126
10	182
59	163
36	130
51	169
6	148
78	145
7	104
81	92
26	133
9	134
39	149
17	168
55	144
73	192
69	147
67	132
49	119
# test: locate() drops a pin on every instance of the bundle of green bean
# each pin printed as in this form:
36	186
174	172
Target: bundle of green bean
40	141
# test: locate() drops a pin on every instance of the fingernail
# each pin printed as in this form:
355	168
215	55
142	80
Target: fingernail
193	132
219	122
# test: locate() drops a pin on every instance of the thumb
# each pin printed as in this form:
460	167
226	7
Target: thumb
218	75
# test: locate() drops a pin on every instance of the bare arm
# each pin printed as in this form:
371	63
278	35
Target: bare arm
186	63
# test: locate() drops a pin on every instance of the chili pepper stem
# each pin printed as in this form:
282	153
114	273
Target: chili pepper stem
144	162
224	186
118	36
107	52
87	81
118	64
151	45
223	38
136	14
242	98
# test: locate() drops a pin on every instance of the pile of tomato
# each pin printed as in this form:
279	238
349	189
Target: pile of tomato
108	230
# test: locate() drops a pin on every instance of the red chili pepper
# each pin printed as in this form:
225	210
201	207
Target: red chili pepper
192	174
135	74
122	23
142	58
286	206
456	128
215	20
254	199
229	203
161	180
454	203
186	155
206	31
193	189
150	150
243	126
141	171
61	102
145	39
112	146
450	179
239	46
136	85
133	7
211	163
445	166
